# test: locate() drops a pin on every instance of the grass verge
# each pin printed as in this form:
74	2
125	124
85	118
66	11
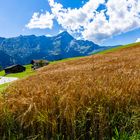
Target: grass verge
21	75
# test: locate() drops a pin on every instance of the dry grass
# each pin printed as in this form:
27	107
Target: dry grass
93	97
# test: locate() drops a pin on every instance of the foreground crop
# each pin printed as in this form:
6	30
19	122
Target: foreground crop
96	97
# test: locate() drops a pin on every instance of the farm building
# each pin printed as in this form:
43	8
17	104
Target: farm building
14	69
39	63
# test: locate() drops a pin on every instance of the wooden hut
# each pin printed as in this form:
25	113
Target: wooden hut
39	63
14	69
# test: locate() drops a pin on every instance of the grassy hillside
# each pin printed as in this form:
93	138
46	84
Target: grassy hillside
92	98
119	48
102	52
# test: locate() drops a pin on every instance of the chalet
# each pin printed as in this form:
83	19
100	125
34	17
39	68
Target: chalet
39	63
14	69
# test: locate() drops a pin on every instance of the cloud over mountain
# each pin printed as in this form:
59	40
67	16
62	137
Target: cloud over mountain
41	21
138	40
97	20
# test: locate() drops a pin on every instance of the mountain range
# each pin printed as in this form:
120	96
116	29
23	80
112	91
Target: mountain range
22	49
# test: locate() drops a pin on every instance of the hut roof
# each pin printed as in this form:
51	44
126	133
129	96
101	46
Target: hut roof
13	66
38	61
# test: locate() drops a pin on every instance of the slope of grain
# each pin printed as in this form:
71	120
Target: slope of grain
104	89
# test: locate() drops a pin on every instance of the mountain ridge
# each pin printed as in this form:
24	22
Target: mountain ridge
23	49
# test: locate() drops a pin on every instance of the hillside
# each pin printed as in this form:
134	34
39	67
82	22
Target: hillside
23	49
92	97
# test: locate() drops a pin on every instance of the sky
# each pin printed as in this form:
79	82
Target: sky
105	22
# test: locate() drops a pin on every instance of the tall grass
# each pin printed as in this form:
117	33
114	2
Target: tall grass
92	98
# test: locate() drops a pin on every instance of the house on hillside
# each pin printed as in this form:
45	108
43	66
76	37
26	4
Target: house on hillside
14	69
39	63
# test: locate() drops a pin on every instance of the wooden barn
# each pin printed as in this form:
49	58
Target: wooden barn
39	63
14	69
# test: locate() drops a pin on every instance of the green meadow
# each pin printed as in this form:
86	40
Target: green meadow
21	75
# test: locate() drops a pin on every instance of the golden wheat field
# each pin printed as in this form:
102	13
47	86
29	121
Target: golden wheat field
91	98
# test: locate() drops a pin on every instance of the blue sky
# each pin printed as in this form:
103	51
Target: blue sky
100	21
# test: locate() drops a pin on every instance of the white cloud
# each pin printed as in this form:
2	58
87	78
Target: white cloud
123	16
48	35
75	20
41	21
60	31
138	40
117	17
